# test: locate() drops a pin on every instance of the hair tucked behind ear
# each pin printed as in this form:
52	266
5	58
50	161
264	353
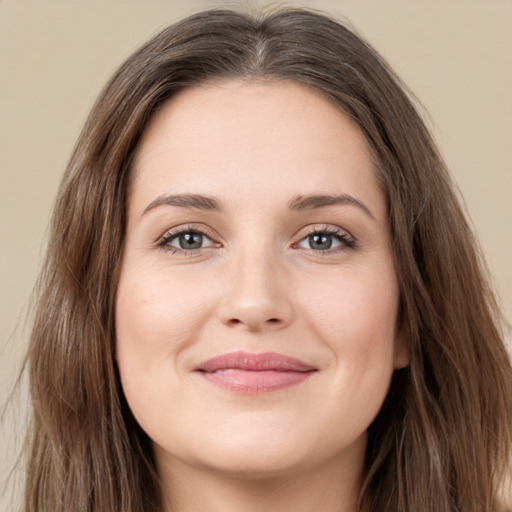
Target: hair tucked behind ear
442	441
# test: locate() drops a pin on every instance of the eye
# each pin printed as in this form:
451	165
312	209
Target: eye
186	240
327	239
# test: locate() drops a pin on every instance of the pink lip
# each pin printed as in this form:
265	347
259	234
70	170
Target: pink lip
248	373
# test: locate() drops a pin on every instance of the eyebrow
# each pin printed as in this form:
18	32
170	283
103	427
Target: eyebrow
196	201
313	202
297	203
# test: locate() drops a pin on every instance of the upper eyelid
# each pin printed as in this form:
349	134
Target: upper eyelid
325	228
348	241
163	242
209	233
185	228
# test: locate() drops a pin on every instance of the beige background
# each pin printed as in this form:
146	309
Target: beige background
55	56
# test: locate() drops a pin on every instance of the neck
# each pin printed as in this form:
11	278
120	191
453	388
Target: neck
330	488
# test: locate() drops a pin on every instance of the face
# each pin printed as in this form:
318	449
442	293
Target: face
257	304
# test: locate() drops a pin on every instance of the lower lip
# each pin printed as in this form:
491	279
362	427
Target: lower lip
255	382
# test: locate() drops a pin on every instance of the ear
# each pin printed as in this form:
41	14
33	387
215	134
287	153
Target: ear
402	355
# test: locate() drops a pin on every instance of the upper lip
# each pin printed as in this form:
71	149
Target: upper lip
266	361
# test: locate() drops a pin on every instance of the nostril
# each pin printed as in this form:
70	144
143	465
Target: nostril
270	321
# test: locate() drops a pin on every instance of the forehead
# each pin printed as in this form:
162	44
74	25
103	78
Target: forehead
252	137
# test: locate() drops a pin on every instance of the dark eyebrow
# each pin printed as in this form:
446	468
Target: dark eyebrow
313	202
197	201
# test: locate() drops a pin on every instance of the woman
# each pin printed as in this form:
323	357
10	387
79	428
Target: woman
261	292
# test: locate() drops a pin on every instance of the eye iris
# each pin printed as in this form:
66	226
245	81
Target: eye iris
320	241
191	240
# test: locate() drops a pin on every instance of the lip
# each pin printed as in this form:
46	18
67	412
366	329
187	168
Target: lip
248	373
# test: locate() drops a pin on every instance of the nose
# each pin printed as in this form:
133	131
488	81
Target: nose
257	298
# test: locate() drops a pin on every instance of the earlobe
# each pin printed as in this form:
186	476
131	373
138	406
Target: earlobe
402	356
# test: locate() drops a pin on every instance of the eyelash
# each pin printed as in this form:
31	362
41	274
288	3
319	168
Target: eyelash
347	242
164	242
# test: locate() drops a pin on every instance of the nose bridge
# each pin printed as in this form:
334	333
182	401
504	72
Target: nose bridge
256	295
256	272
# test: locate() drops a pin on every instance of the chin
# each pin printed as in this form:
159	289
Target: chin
259	466
247	455
260	457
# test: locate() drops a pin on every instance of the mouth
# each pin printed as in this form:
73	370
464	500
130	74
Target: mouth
247	373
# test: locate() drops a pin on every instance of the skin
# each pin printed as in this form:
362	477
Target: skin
257	284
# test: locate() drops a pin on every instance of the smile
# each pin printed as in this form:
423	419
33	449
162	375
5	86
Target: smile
247	373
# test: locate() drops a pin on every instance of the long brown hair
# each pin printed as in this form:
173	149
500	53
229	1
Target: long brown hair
442	441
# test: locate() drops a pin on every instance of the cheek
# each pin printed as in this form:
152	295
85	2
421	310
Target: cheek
355	314
356	300
157	318
155	312
154	324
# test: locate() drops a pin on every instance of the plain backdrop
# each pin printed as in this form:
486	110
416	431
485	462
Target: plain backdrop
55	57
